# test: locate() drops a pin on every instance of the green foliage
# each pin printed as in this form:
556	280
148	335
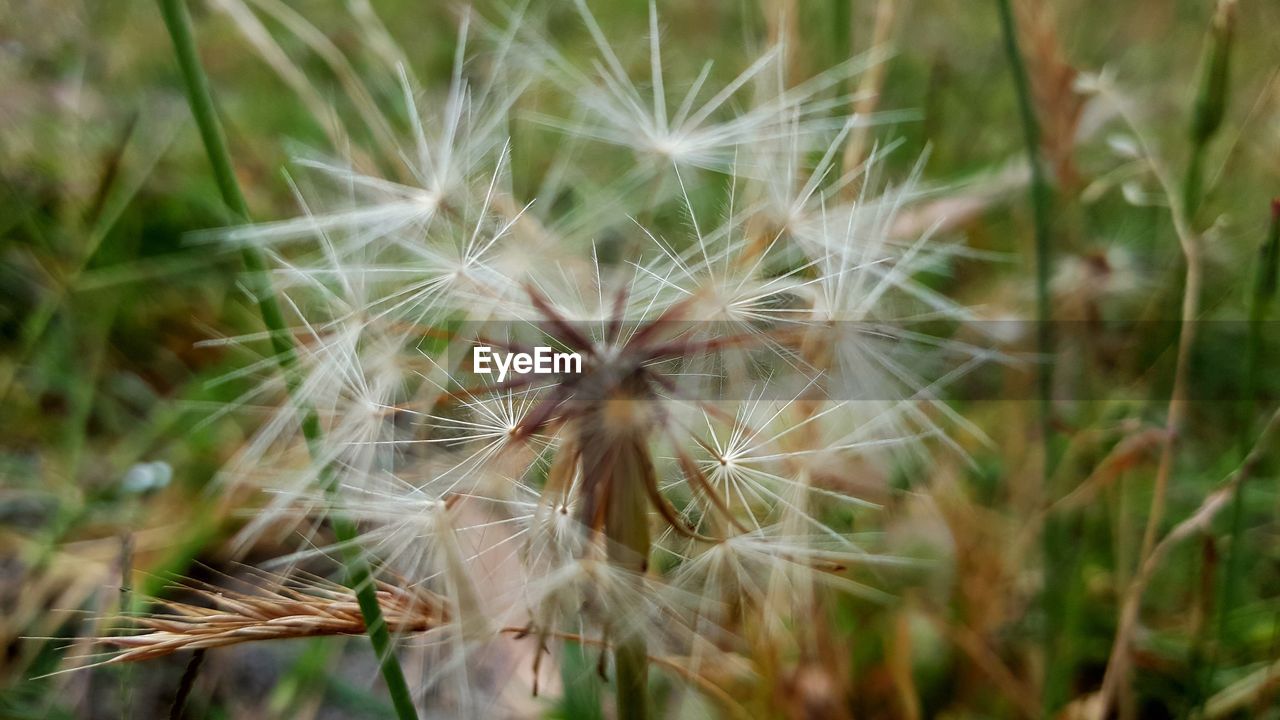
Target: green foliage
104	299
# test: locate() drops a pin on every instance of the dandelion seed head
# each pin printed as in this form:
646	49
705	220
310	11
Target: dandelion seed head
723	349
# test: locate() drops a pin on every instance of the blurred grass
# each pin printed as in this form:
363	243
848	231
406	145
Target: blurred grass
102	304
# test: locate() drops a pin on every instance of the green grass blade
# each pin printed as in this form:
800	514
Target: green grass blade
1059	604
359	573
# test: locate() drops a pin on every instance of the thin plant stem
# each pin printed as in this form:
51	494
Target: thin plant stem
1176	418
186	684
1210	103
1041	200
1193	526
626	526
1057	665
1207	112
1260	300
358	571
126	607
1193	182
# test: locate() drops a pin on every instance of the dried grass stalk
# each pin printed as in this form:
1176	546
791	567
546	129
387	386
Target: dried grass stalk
280	612
285	609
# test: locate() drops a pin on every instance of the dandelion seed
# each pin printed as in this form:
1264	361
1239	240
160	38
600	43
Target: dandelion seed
732	373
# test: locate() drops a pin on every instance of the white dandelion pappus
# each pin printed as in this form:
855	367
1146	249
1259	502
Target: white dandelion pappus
691	132
687	493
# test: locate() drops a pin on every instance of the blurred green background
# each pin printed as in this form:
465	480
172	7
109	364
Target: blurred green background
110	430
